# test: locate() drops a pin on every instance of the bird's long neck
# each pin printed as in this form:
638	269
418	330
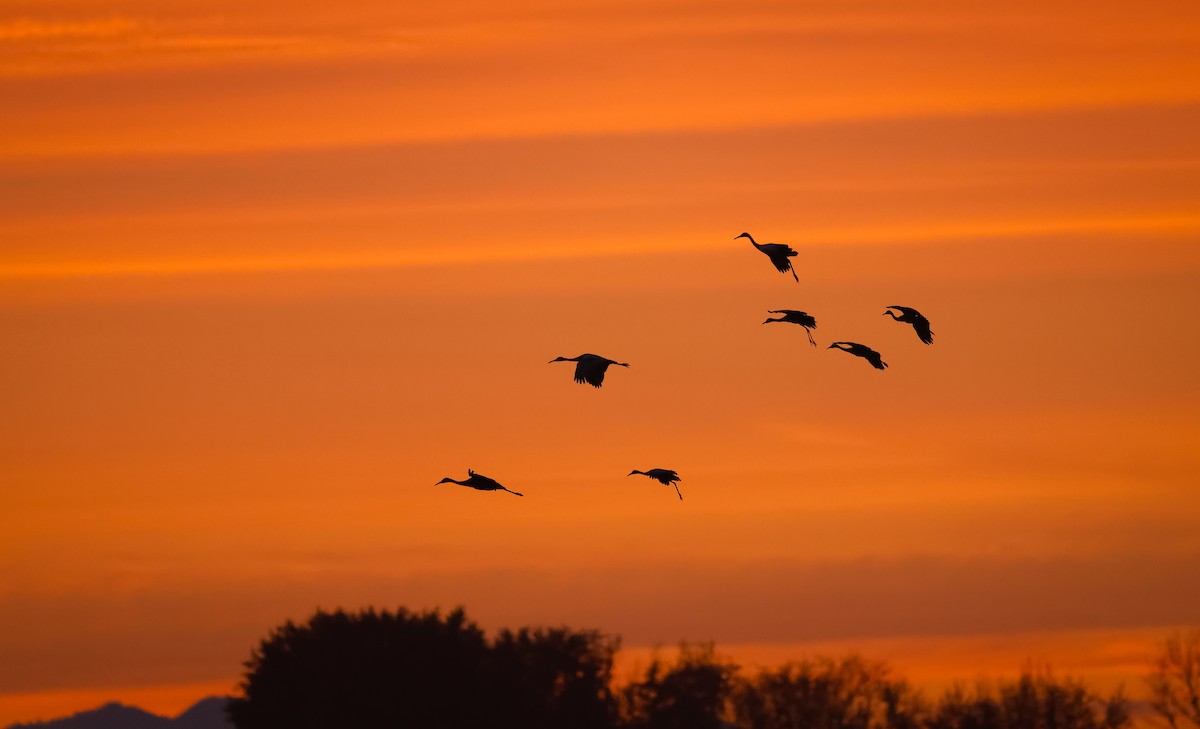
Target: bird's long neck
892	314
752	241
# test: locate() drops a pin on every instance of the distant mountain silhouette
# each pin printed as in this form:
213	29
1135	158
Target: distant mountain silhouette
208	713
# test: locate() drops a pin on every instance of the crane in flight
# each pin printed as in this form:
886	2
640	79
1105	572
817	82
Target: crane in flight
791	316
590	368
861	350
777	252
909	315
662	475
478	482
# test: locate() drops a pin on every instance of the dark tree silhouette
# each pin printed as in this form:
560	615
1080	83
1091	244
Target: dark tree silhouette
368	669
382	669
1175	682
555	677
852	693
1034	701
692	693
379	669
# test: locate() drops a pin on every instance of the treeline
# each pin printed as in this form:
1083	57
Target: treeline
401	669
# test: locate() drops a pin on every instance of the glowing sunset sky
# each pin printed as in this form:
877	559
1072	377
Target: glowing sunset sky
268	273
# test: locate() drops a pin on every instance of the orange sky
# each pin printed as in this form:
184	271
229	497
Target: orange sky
267	275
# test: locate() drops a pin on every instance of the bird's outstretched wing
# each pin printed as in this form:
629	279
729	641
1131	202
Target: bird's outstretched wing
590	371
481	482
918	320
923	330
804	319
782	264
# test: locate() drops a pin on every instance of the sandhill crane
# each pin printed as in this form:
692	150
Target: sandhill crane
589	368
777	252
910	315
663	476
791	316
861	350
479	482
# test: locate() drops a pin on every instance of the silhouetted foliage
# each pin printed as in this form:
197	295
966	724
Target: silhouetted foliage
852	693
376	669
368	669
556	677
383	669
1175	682
1034	701
692	693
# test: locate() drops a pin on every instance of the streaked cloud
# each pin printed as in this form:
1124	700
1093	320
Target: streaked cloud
793	602
268	79
24	30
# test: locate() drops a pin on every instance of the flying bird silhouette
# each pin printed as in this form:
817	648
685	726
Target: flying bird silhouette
791	316
910	315
590	368
777	252
479	482
861	350
663	476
